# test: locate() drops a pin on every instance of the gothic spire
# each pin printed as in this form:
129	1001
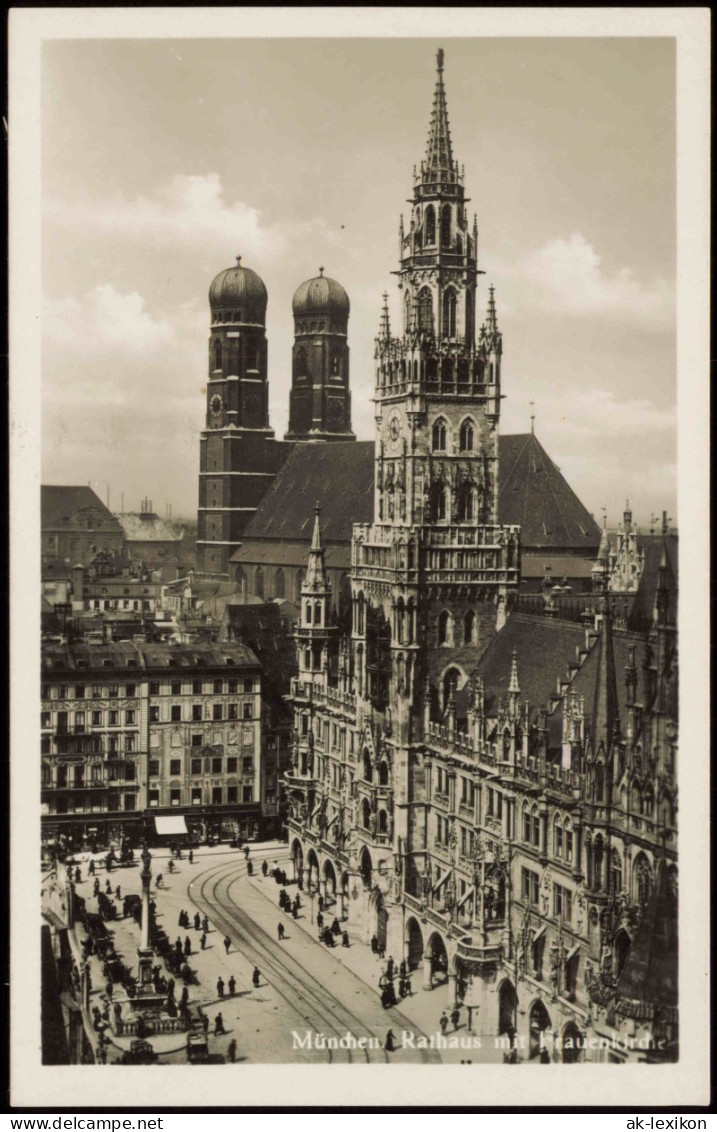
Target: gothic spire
492	316
384	331
439	162
316	569
605	721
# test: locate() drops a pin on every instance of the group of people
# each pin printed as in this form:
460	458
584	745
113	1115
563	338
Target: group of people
377	947
386	982
232	985
286	904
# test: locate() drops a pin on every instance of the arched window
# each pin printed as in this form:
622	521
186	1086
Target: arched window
642	880
527	824
446	226
383	773
467	436
568	841
425	310
469	628
449	313
430	225
410	564
317	613
440	501
382	821
649	801
467	504
557	836
615	873
451	680
307	615
217	355
438	435
365	814
240	578
307	658
444	628
259	582
360	613
367	768
279	583
300	368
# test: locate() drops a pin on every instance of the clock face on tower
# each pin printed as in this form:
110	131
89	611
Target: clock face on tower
215	405
394	430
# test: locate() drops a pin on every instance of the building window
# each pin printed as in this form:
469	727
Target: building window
96	691
248	711
153	715
249	684
175	797
197	712
449	314
557	838
45	719
233	711
216	766
216	711
175	766
280	584
176	687
129	742
154	687
153	797
79	691
129	718
196	740
444	628
96	718
176	713
196	687
114	719
196	795
438	435
62	691
232	794
259	582
153	768
130	690
218	687
247	766
530	886
196	766
467	437
247	793
45	745
232	765
562	903
216	795
568	842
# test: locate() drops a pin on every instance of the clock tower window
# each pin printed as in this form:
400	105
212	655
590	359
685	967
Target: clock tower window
425	311
217	355
430	226
449	313
439	435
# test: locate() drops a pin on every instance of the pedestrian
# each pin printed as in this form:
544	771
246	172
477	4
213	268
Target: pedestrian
402	969
197	922
178	946
544	1056
203	940
170	985
191	856
389	1044
444	1022
381	950
295	911
321	903
118	892
280	931
185	996
96	887
227	944
389	967
118	1010
205	1022
374	944
401	987
219	1025
108	989
232	986
264	868
205	925
187	946
336	930
78	876
455	1017
246	852
160	880
320	919
255	977
180	921
250	869
220	987
345	939
232	1050
91	869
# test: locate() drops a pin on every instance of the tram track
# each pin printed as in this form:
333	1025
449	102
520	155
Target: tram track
211	892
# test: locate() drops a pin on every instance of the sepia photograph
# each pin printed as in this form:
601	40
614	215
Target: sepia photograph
350	446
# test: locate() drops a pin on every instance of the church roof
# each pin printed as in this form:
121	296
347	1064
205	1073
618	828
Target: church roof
240	290
653	547
60	505
535	495
340	477
321	295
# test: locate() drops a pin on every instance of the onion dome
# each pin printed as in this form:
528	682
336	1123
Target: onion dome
237	294
321	297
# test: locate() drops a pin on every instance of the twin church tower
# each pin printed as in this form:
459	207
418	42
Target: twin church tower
436	356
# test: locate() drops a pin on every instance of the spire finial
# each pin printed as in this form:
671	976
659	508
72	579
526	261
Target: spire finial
321	271
439	59
532	418
238	259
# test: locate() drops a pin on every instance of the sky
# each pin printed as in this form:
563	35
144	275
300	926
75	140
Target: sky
164	159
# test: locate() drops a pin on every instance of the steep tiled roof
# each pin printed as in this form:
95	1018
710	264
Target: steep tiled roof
641	613
59	504
124	655
340	476
544	649
534	494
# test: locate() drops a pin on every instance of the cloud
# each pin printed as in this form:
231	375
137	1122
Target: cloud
103	321
188	213
567	276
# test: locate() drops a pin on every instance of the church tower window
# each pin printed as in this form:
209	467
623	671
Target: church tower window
446	226
467	437
469	628
279	583
217	355
259	582
425	311
439	435
445	628
449	313
430	226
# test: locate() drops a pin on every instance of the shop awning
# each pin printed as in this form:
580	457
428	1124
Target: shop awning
172	824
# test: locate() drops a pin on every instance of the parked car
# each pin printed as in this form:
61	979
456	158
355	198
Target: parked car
139	1053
